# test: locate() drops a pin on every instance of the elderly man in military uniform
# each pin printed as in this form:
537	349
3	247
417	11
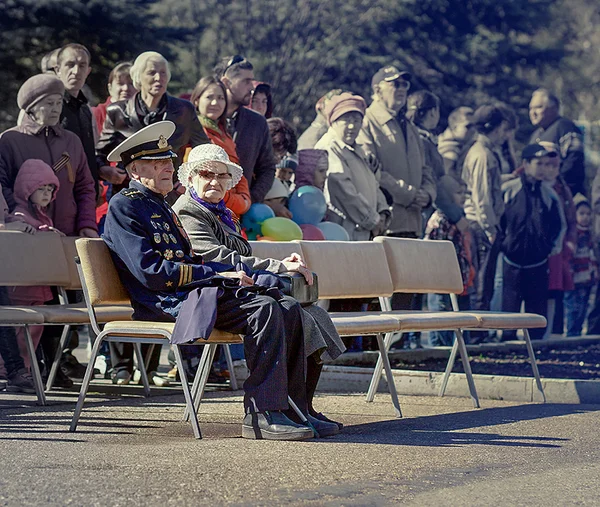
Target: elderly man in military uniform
166	280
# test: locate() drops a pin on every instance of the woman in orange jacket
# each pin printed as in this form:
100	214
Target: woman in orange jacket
210	99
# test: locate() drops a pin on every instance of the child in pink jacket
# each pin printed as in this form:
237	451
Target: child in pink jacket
35	188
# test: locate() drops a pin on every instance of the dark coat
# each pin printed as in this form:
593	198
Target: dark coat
567	136
122	121
77	117
75	205
252	139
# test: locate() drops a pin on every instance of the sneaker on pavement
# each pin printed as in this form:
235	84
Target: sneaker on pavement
121	378
153	378
20	382
3	383
273	426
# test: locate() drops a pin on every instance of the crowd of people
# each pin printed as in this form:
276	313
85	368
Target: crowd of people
520	222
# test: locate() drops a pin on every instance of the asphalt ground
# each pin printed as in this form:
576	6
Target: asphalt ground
134	451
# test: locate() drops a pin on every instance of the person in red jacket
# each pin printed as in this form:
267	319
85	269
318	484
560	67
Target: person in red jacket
210	98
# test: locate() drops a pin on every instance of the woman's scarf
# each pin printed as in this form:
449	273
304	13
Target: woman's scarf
146	116
219	209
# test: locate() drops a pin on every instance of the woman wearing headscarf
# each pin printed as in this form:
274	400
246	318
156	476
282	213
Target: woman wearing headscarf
352	189
215	234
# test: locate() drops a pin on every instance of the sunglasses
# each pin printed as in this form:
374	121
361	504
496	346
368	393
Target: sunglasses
405	85
234	59
210	175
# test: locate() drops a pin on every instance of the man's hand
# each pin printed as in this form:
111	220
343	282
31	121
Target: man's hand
296	267
422	199
113	175
373	162
294	258
280	210
244	279
19	226
88	232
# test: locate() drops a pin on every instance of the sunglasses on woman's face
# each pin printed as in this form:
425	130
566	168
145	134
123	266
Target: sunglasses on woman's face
210	175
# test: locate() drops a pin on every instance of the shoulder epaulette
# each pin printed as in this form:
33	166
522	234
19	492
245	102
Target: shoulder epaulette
132	193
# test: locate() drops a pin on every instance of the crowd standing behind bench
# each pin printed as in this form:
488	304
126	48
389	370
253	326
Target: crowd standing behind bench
380	170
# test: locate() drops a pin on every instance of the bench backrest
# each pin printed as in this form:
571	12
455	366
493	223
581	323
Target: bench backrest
70	251
32	259
102	280
420	266
278	250
349	269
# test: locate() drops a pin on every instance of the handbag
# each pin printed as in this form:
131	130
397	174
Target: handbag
294	285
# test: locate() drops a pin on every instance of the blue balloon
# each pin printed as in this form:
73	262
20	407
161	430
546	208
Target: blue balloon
252	220
333	232
307	205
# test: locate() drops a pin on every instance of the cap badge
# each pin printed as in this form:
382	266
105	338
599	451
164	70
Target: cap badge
162	142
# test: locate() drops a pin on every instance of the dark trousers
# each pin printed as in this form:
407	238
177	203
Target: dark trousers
576	305
121	357
9	349
594	316
273	345
485	257
529	285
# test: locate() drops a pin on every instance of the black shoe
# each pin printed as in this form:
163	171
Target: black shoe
62	381
273	426
20	382
324	428
71	367
321	417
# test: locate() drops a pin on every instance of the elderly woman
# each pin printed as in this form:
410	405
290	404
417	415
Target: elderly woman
40	136
352	187
210	98
150	74
215	235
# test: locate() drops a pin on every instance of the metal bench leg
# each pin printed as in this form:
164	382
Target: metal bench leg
58	356
232	380
201	379
388	372
189	402
378	369
142	367
534	366
449	366
464	356
35	369
89	371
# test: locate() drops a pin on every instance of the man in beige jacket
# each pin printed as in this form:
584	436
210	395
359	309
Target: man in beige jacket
388	137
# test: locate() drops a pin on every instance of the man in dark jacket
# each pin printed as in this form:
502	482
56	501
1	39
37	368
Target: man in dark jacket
551	127
531	230
168	282
73	68
248	128
150	74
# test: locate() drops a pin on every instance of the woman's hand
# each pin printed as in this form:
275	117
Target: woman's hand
20	226
244	279
296	267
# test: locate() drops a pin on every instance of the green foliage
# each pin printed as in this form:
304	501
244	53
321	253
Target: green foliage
110	29
466	51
